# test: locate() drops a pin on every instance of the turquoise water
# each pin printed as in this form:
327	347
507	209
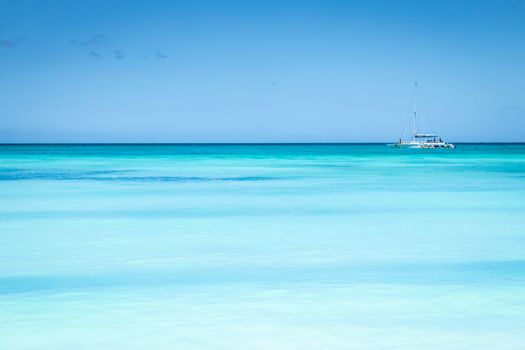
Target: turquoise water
262	247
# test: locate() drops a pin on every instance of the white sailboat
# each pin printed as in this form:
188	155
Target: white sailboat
418	139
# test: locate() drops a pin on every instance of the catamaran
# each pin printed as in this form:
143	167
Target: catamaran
418	139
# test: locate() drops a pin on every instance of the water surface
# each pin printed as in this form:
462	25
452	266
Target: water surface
262	247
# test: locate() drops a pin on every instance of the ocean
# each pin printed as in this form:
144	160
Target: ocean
285	246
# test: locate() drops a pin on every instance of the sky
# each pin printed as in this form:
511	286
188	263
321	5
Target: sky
260	71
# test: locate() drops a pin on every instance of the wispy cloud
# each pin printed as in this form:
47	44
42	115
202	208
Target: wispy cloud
98	44
94	54
159	54
9	43
119	55
99	39
95	40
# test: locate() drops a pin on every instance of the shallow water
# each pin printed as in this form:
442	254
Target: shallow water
262	247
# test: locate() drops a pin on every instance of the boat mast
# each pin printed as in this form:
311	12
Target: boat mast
415	108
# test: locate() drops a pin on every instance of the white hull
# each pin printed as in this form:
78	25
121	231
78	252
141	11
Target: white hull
432	145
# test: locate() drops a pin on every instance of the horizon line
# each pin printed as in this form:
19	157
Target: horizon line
228	143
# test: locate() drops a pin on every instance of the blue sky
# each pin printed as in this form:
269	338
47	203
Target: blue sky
259	71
